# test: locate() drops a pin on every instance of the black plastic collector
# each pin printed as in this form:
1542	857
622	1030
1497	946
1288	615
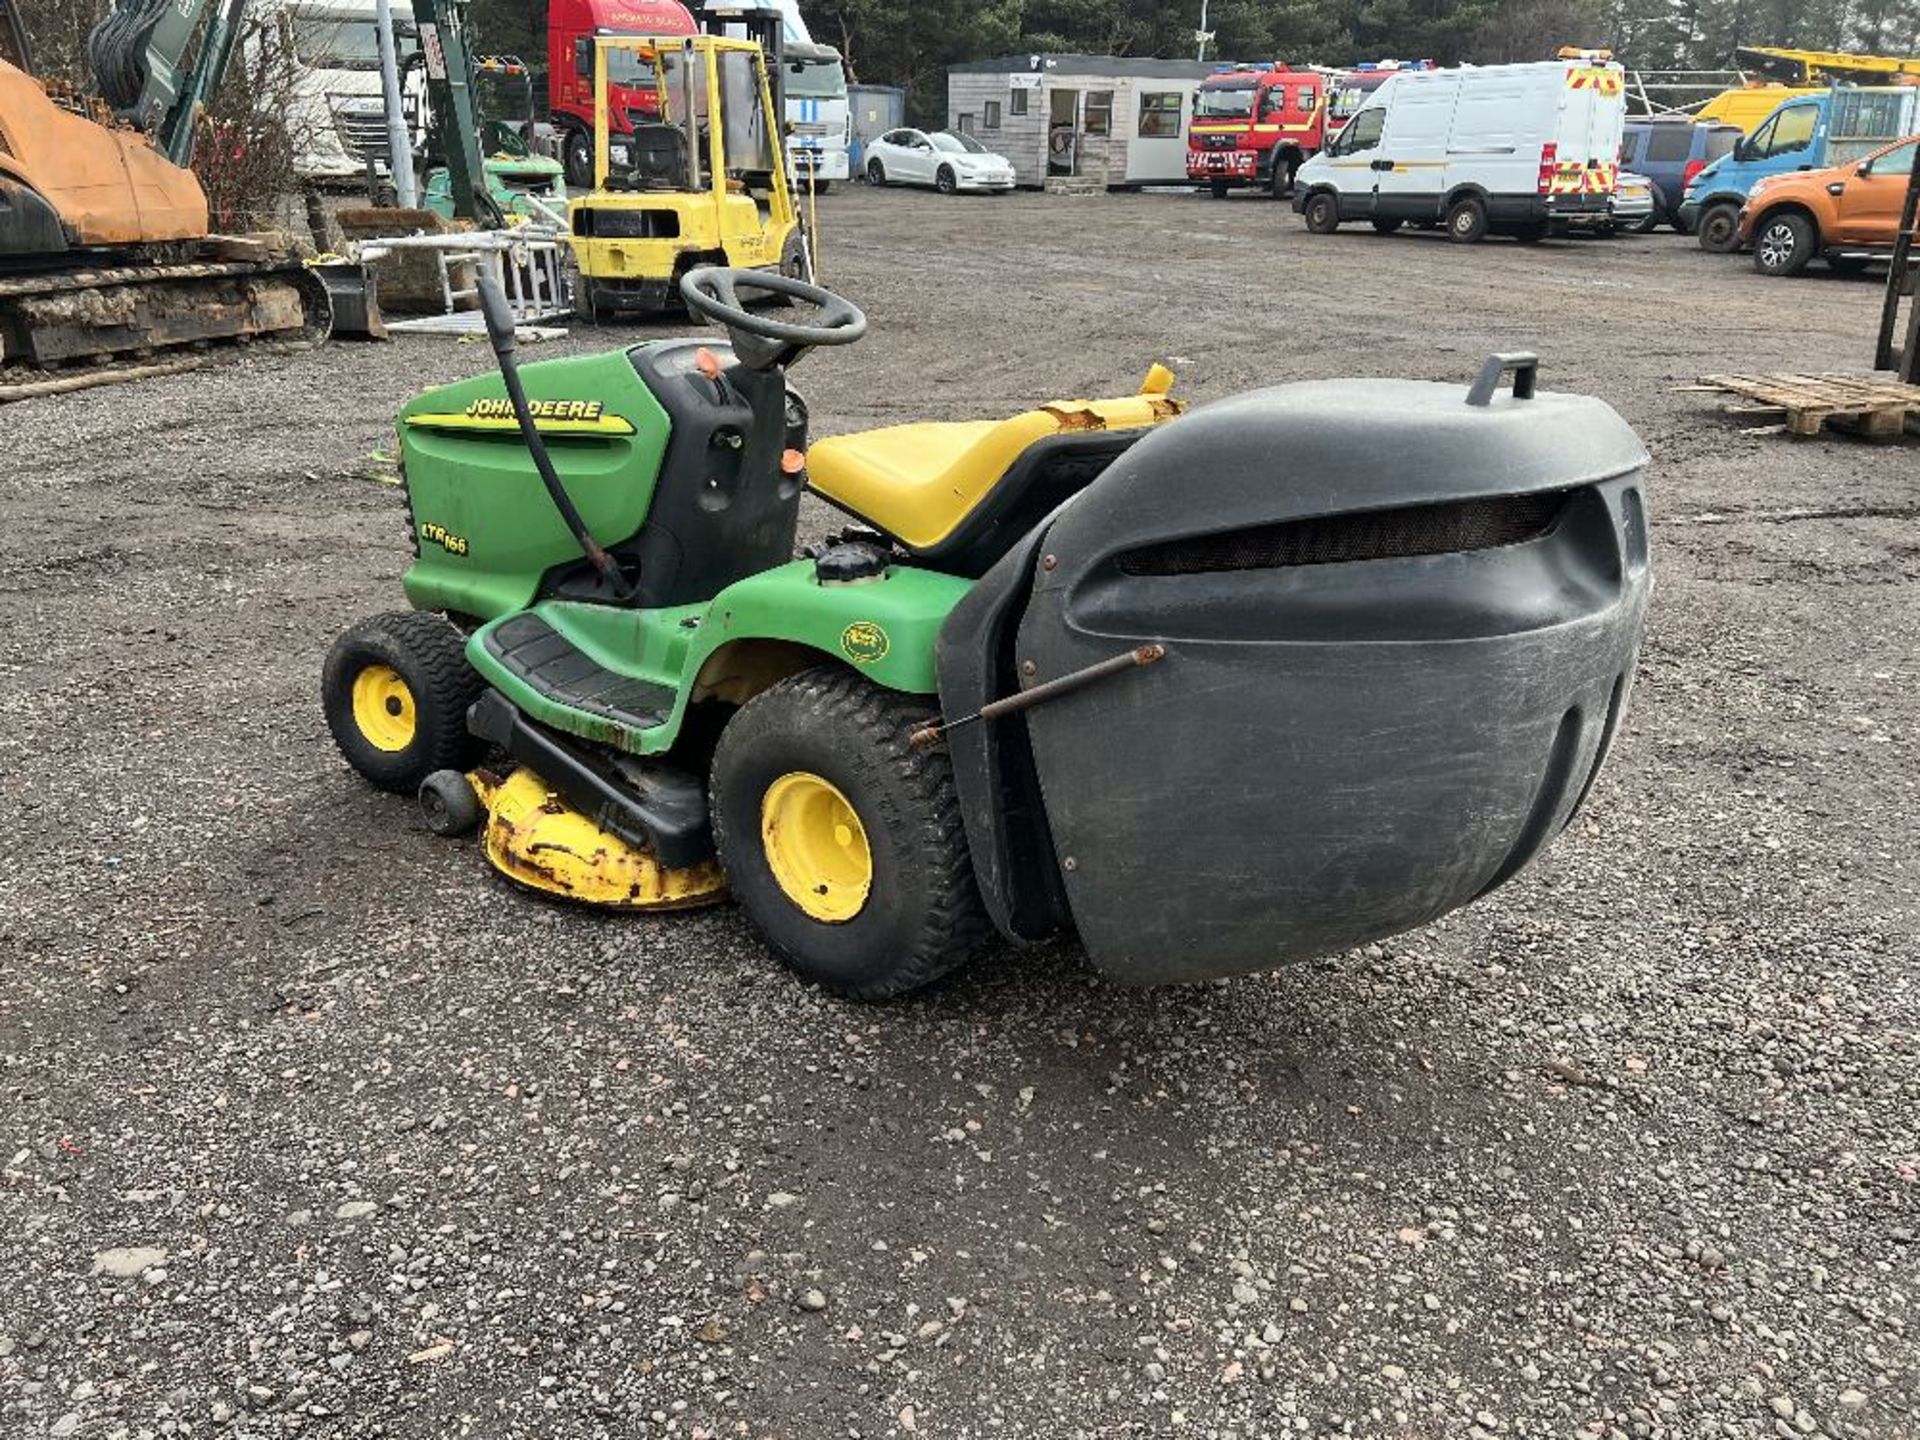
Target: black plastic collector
1401	620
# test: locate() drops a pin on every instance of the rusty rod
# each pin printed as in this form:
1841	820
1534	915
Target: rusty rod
1141	655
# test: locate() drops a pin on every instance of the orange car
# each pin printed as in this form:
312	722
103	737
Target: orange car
1848	213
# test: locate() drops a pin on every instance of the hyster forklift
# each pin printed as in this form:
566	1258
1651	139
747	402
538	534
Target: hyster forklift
1214	691
705	184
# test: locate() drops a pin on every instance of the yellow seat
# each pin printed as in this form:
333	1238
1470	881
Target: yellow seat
920	482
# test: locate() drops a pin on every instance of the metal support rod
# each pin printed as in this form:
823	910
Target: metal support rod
399	143
1136	658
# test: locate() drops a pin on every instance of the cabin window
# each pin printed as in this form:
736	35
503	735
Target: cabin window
990	115
1097	118
1160	115
965	127
1017	103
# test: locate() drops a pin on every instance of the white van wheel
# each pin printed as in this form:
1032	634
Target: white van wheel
1322	213
1466	221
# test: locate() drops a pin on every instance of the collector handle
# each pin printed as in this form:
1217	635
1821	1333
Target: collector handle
1524	364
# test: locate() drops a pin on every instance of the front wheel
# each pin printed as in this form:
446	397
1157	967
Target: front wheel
1322	213
842	842
1283	169
395	690
1719	231
1531	233
1848	264
945	182
577	158
1467	221
1783	244
876	174
1217	189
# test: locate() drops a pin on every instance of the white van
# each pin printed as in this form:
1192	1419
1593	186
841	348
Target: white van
1512	149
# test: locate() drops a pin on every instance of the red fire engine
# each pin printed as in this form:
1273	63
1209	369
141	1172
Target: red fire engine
1254	125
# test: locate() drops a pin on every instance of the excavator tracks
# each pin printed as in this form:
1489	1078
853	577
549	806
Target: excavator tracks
68	319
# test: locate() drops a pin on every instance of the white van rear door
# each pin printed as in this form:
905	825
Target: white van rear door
1593	117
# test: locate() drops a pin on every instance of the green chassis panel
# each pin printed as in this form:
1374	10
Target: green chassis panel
485	530
885	629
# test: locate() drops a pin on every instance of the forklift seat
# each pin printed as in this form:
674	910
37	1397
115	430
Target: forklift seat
957	494
659	158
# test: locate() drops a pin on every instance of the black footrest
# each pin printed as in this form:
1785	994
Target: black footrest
645	803
540	655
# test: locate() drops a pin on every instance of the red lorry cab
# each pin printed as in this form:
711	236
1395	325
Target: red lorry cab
1254	125
571	26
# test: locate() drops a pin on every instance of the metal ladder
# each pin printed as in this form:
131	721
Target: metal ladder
1898	345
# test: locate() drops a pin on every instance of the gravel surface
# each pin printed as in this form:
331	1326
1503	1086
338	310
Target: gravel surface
309	1125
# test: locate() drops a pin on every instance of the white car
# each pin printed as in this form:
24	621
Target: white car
947	161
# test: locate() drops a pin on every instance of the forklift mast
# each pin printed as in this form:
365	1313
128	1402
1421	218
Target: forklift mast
762	22
138	55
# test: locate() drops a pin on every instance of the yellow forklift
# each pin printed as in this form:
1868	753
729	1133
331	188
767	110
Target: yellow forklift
704	184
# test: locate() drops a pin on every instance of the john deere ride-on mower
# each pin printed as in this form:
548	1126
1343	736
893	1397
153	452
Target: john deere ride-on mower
1290	673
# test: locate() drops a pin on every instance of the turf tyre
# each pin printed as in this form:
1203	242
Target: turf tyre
923	915
429	655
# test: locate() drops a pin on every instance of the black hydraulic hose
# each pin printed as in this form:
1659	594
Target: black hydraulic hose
499	319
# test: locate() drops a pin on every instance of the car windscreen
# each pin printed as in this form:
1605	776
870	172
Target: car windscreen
1223	102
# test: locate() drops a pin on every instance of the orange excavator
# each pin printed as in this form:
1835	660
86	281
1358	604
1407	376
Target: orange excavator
105	245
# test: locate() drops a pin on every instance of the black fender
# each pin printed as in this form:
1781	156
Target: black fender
29	225
1001	805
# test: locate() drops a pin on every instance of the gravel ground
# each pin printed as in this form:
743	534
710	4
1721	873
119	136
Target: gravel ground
309	1125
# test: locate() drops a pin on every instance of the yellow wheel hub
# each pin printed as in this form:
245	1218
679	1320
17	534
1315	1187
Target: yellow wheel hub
383	708
816	847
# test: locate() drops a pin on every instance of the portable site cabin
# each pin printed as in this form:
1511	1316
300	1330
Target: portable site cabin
876	110
1120	120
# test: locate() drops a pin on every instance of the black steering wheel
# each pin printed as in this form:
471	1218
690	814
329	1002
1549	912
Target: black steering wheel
762	342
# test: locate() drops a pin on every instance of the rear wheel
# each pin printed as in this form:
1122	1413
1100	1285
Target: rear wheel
1783	244
1386	227
1217	189
1719	232
1847	264
945	182
842	842
1283	168
1531	233
876	173
1466	221
1322	213
1648	223
396	689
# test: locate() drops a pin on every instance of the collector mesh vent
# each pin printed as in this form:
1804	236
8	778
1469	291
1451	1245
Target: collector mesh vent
1447	528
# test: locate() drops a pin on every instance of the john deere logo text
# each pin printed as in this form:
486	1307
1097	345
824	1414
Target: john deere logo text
864	642
588	410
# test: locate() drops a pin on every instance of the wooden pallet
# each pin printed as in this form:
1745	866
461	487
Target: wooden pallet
1865	405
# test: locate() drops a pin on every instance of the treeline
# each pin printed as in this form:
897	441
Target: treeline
911	42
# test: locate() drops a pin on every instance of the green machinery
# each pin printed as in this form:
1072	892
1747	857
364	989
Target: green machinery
1211	691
